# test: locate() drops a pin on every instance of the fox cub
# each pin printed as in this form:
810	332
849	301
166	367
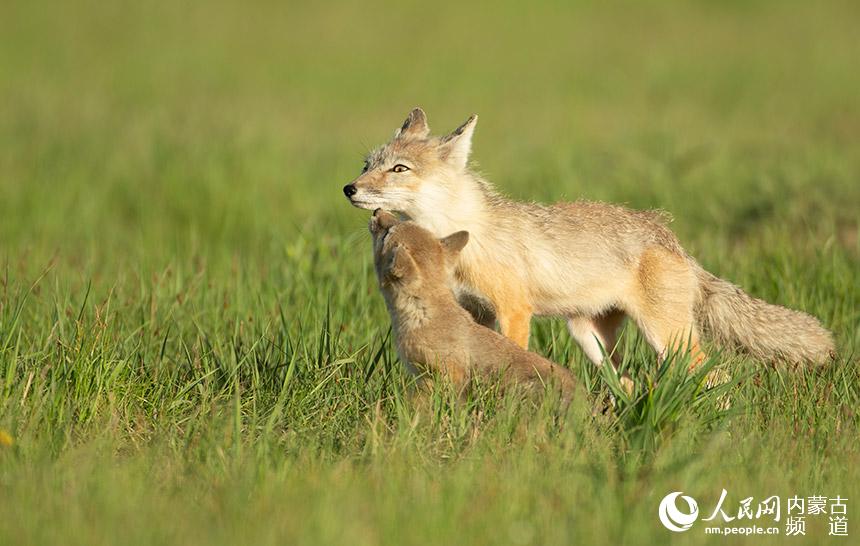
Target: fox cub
594	264
432	331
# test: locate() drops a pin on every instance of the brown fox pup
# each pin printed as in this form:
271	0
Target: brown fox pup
432	331
594	264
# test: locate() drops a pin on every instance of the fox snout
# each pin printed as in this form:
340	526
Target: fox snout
401	174
363	193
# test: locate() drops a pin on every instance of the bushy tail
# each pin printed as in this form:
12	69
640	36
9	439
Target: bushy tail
733	318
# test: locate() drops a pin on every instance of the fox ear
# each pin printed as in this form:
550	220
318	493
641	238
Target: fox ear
415	125
454	243
402	264
456	147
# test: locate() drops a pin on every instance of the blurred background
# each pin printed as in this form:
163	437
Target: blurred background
135	133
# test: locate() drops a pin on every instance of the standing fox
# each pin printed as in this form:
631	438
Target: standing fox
433	333
592	263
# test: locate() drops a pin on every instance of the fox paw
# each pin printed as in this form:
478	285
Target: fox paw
715	378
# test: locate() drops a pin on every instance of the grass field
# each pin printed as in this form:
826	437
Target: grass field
193	349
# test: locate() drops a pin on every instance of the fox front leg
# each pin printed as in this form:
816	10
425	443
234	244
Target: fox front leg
515	323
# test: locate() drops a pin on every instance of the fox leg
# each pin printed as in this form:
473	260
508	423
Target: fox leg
593	332
515	322
664	306
598	336
666	334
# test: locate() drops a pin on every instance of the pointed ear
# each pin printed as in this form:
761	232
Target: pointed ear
456	147
415	125
382	220
402	264
454	243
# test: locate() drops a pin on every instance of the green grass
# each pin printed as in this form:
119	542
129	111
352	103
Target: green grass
193	349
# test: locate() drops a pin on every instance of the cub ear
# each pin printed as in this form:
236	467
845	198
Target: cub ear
415	125
382	220
454	243
402	264
456	147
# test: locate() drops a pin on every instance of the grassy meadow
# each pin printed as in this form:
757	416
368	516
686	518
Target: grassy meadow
193	349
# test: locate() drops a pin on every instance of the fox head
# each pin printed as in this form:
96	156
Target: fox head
407	255
414	171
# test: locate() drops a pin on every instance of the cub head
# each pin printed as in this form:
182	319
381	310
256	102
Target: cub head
408	255
412	168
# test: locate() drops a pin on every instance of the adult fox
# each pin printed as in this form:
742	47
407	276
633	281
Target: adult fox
592	263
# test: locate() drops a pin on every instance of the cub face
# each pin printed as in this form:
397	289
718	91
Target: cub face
408	255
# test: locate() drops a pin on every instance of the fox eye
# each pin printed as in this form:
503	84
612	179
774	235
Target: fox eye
399	168
365	167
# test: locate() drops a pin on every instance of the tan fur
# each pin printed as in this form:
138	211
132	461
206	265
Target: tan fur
433	332
592	263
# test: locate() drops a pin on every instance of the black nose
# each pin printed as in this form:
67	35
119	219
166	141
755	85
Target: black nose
349	190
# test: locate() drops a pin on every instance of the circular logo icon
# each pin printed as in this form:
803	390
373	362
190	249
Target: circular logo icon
674	519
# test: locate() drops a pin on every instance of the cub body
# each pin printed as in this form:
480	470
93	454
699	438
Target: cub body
432	331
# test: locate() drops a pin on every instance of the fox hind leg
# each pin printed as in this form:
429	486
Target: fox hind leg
672	334
667	331
598	334
665	303
598	337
